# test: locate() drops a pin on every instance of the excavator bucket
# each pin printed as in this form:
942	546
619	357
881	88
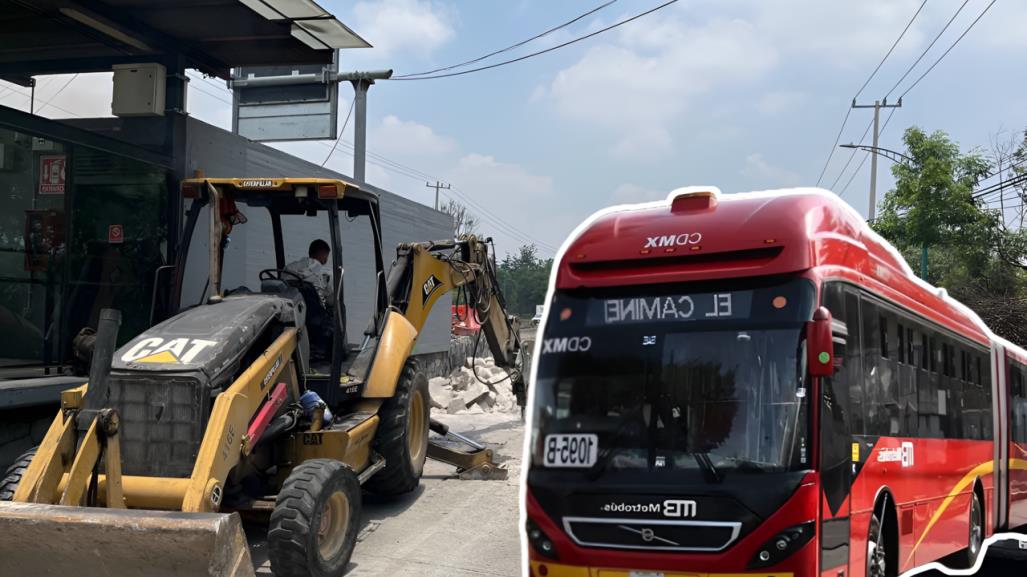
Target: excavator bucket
93	542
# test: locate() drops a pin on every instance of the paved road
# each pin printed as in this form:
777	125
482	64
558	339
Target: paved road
999	562
448	527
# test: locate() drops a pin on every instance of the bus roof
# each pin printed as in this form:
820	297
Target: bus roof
697	233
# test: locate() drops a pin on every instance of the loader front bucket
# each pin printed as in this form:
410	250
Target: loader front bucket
93	542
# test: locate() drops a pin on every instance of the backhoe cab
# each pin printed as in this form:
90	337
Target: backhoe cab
248	402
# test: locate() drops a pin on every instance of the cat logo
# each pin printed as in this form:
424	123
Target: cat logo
156	350
262	183
429	287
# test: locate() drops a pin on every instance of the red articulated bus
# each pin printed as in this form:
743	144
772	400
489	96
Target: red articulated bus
757	384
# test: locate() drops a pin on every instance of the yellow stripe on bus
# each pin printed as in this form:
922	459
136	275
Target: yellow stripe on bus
980	470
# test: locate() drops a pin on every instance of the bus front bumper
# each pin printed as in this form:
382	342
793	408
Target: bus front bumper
547	569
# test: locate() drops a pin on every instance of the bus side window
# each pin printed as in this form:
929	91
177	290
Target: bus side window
877	418
854	362
843	302
1018	404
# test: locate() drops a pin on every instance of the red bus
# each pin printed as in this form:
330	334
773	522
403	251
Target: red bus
757	384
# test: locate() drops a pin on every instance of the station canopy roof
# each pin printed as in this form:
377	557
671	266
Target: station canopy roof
64	36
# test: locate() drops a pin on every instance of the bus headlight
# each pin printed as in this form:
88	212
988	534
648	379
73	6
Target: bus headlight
540	541
780	546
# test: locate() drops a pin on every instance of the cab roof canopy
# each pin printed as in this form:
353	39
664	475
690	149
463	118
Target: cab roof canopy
66	36
702	235
286	195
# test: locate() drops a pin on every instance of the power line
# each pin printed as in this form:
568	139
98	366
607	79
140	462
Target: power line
499	223
998	186
341	130
415	174
848	111
14	91
852	155
864	161
512	46
944	54
894	44
834	146
926	50
545	51
59	91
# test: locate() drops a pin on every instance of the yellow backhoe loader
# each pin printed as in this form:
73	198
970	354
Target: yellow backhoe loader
250	402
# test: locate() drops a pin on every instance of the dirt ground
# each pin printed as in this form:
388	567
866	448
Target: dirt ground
447	527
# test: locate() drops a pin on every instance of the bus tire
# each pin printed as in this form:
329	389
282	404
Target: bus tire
881	559
975	538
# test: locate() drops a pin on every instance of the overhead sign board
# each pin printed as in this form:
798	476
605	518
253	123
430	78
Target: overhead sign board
275	103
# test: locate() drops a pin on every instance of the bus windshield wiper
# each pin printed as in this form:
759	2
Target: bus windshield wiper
712	474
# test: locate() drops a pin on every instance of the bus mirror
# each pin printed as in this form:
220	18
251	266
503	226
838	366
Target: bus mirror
819	344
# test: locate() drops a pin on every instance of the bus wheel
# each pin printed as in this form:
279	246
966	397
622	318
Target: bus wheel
877	555
976	537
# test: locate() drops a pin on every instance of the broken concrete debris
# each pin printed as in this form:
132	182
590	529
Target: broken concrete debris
464	393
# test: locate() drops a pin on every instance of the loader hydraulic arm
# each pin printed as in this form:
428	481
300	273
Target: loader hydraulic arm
424	271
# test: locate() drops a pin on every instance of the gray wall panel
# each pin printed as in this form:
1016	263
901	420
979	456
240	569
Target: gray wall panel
219	153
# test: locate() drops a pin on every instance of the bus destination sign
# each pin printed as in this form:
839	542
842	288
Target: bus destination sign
671	308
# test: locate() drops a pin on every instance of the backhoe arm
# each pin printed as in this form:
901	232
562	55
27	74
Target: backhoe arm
424	271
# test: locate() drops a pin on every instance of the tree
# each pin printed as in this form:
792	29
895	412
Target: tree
932	202
463	221
524	278
932	215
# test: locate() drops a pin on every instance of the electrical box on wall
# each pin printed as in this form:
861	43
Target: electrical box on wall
139	89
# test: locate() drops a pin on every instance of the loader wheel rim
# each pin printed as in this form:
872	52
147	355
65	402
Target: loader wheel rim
418	434
331	533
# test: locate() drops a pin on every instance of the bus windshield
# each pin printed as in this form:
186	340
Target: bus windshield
687	377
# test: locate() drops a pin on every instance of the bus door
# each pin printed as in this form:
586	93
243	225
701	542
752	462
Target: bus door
836	460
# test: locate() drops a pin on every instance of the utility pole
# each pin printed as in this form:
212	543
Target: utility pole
438	185
877	106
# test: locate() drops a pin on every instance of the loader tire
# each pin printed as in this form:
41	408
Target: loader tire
314	524
14	473
402	436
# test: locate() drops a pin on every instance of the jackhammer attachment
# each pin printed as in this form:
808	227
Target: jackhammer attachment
475	465
92	542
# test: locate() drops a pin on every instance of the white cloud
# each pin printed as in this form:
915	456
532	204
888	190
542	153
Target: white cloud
397	138
629	193
503	195
638	85
417	27
847	34
764	175
778	101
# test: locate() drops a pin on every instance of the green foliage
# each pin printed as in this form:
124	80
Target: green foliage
932	202
524	278
971	253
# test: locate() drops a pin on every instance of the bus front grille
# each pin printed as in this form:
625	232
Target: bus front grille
652	535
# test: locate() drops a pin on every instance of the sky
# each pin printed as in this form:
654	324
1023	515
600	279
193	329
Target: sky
741	95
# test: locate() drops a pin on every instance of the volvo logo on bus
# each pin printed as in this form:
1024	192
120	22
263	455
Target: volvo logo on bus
670	240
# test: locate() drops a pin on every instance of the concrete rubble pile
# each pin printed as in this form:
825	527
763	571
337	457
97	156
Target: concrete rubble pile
462	393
